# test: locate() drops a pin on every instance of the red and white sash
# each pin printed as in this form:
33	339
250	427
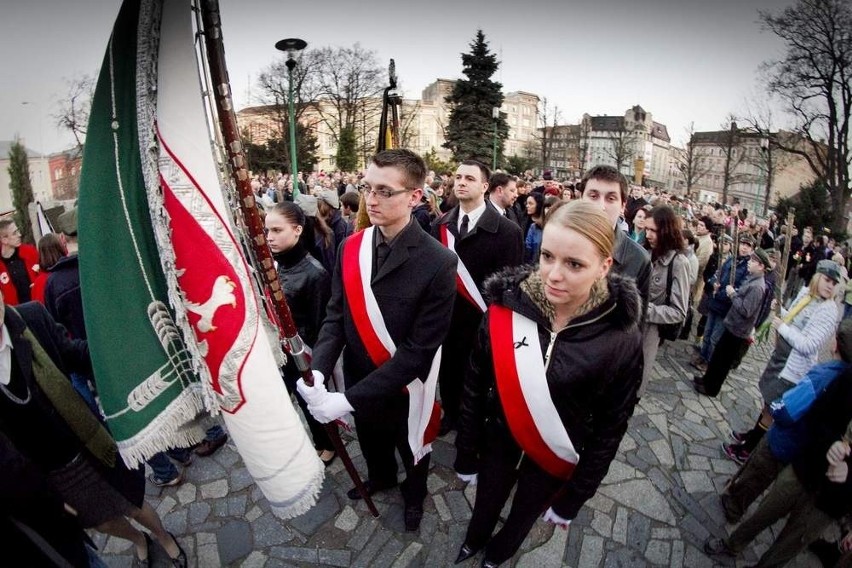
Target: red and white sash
524	394
464	281
424	413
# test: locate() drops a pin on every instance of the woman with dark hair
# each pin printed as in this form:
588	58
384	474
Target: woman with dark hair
638	224
535	211
668	295
307	287
552	380
50	250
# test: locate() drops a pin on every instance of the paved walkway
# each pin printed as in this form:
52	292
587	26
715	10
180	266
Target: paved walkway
655	508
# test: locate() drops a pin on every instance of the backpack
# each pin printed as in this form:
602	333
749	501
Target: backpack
669	331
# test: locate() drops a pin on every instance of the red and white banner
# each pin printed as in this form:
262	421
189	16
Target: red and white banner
464	281
524	394
424	413
216	293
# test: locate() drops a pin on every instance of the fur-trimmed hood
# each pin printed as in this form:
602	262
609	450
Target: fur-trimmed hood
520	289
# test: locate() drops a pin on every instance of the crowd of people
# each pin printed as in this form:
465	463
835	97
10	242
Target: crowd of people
531	309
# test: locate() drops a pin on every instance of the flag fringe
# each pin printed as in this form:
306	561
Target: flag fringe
149	149
177	427
305	501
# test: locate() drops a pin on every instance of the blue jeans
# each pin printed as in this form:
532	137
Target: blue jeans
712	332
164	468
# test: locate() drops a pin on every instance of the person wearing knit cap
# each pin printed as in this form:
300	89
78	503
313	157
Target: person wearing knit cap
739	321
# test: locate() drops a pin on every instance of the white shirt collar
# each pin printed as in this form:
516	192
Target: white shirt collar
472	217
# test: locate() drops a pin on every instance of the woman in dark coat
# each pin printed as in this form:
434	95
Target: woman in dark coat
307	287
565	333
52	427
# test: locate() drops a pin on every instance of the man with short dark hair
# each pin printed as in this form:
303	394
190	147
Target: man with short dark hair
502	193
391	302
605	186
485	242
18	264
350	203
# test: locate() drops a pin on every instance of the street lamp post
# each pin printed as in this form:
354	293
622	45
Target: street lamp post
292	46
766	169
495	114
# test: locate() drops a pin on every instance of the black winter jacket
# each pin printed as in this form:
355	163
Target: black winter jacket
594	372
307	287
62	296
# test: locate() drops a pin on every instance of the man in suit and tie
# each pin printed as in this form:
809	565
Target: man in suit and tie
391	302
502	193
485	242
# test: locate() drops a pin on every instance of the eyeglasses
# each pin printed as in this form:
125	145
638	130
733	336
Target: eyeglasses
380	193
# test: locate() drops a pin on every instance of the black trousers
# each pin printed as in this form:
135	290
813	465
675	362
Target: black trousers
502	466
455	358
380	438
726	353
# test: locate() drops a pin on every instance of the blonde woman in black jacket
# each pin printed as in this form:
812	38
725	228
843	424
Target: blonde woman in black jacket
552	383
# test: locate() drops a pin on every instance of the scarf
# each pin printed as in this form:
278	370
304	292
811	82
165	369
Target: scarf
794	311
291	257
58	390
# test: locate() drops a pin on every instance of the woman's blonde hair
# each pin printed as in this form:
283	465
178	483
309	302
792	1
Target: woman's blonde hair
586	219
813	287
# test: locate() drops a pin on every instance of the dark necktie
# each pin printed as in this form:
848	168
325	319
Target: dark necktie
506	213
463	228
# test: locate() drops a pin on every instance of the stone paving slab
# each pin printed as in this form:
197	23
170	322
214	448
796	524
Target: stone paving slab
655	507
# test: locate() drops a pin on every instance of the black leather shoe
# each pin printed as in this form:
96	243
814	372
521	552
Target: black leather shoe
489	563
354	494
465	552
413	516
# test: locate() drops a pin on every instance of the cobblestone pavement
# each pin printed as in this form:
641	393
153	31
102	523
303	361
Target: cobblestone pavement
655	508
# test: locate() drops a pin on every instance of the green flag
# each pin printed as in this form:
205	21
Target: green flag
144	374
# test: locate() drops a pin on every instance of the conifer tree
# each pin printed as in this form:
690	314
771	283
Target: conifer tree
347	158
470	132
22	189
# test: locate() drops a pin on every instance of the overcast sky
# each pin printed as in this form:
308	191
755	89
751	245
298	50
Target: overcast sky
682	60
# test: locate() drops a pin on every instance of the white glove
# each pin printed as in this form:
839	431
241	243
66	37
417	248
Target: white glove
838	473
551	517
315	393
331	406
837	453
469	478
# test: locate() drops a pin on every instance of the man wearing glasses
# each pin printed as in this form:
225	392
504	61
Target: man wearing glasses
391	301
485	242
18	266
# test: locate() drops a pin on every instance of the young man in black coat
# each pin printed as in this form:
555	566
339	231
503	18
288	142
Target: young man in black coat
607	187
407	278
485	242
